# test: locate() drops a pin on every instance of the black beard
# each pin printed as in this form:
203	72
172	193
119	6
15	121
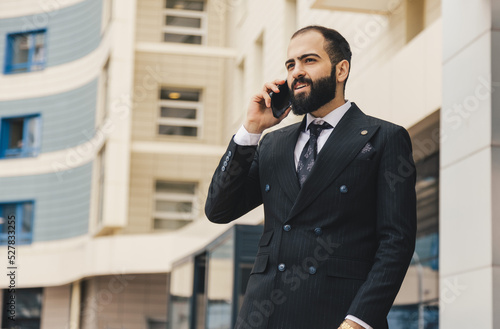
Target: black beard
321	92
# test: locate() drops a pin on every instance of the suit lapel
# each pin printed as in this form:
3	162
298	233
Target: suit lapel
345	142
283	160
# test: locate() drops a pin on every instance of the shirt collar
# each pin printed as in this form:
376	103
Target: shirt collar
332	118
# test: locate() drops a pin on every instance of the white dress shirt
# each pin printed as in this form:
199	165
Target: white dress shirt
243	137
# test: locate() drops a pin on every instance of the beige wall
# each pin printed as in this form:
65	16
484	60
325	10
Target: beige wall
124	301
150	21
56	307
147	168
376	40
153	70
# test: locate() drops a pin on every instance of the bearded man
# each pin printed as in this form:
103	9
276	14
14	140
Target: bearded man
339	198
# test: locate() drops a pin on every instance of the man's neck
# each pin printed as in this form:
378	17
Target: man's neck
329	107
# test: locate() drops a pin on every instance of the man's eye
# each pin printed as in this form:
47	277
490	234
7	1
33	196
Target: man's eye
289	66
309	60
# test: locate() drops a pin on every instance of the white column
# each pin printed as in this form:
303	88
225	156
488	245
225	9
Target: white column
470	165
121	89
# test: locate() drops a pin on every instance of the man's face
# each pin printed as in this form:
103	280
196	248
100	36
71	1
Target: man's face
311	77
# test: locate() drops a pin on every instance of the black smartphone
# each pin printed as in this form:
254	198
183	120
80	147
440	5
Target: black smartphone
280	102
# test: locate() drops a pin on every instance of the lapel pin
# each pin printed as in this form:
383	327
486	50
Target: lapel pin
364	132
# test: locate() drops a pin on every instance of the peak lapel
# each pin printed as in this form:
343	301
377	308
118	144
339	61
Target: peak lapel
347	139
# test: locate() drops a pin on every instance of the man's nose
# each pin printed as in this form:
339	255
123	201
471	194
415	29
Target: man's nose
298	72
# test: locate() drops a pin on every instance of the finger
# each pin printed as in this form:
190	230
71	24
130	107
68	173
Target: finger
271	86
267	99
279	81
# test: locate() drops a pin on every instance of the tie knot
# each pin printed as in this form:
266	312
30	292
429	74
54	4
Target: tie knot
315	129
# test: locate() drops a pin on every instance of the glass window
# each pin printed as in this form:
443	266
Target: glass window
156	324
406	317
20	137
17	217
181	290
174	205
198	5
418	298
28	309
220	286
180	112
185	22
199	291
25	52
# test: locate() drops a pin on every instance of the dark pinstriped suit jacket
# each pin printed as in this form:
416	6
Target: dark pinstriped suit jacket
339	245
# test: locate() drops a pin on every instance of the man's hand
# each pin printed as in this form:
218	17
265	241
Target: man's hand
351	324
259	114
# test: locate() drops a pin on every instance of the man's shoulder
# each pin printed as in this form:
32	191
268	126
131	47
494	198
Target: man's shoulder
384	124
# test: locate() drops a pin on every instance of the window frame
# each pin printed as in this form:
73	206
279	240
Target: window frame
180	122
22	238
202	31
189	217
24	151
9	50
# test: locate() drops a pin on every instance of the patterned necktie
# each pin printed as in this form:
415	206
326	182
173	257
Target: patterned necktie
308	155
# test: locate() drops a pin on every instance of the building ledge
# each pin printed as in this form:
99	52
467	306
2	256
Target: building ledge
383	7
181	49
59	262
177	148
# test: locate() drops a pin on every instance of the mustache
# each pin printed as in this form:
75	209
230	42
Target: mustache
301	80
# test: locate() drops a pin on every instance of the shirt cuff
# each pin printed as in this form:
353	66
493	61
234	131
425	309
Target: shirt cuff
244	138
358	321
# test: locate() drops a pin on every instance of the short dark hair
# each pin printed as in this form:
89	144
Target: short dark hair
336	46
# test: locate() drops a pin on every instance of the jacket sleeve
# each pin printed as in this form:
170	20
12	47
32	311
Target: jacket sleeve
235	187
396	231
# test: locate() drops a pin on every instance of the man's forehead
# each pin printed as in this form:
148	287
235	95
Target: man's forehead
307	42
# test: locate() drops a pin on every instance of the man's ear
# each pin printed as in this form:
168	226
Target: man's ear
342	71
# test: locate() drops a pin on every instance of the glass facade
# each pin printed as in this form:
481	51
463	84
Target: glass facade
417	305
217	277
27	311
220	285
181	290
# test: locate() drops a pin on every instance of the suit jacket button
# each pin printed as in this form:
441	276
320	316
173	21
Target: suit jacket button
281	267
343	189
229	153
318	231
225	163
223	168
287	227
227	158
312	270
267	188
